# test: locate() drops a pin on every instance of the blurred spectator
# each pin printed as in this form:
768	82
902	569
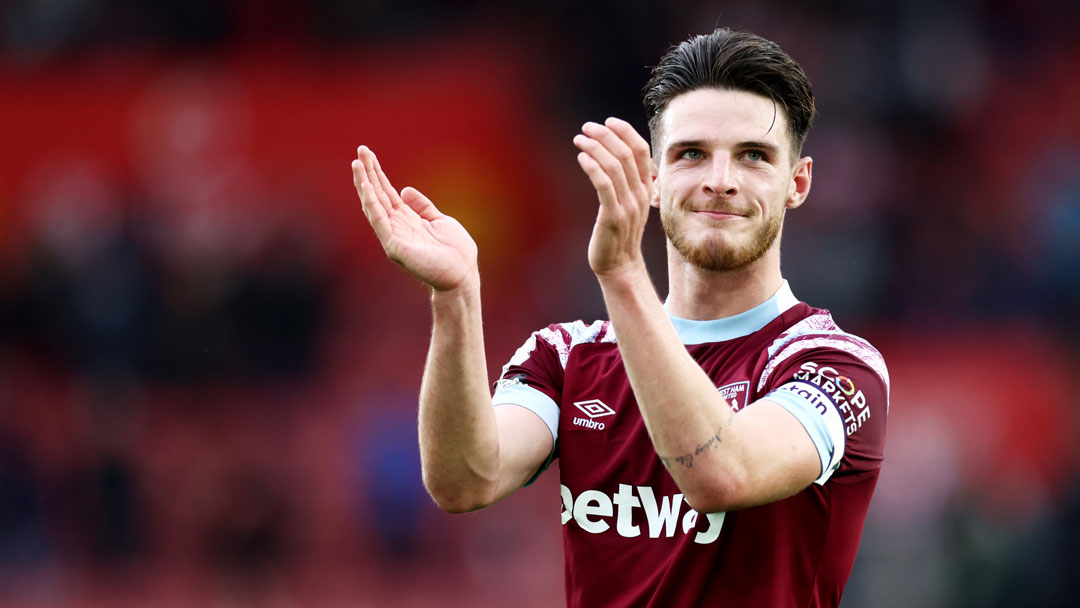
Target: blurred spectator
248	529
386	454
24	543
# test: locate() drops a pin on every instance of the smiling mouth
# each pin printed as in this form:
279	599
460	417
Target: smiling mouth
719	215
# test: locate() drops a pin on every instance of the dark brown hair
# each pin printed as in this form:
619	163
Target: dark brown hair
740	61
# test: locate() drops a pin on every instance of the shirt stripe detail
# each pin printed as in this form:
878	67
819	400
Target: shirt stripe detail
564	337
840	341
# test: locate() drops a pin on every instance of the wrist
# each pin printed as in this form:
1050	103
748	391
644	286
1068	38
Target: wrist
466	290
630	274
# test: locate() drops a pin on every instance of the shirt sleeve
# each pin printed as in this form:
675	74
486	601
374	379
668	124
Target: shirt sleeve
842	402
533	379
819	416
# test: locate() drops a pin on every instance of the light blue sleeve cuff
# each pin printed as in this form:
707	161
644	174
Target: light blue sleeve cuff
817	413
538	403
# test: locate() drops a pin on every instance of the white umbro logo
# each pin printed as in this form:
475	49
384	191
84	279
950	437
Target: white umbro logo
594	408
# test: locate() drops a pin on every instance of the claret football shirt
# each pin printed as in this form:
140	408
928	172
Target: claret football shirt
630	538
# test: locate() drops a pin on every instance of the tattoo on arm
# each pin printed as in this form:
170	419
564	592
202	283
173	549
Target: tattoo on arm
687	460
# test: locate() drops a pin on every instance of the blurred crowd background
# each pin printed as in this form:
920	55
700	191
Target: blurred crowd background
209	370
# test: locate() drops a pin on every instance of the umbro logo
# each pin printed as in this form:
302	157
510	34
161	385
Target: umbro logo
593	408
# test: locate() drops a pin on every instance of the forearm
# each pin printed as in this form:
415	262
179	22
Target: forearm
458	437
690	424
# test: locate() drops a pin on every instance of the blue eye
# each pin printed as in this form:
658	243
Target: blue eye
692	154
754	155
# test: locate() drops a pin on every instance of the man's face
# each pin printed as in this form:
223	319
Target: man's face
726	173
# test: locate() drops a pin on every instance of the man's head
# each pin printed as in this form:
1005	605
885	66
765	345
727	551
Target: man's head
728	114
738	61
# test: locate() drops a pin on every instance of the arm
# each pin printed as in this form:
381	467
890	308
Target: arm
471	454
719	460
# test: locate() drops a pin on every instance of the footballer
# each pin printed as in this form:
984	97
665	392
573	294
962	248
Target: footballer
718	446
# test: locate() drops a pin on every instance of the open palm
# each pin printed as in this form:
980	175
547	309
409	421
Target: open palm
433	246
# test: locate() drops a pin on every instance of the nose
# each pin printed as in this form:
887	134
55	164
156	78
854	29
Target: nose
721	179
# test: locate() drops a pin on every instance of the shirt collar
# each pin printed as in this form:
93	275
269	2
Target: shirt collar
742	324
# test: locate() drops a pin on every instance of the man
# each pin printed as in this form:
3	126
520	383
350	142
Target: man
719	448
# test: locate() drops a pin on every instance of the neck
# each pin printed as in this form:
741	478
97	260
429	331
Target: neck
698	294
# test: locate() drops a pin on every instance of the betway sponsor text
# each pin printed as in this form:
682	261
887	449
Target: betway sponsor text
633	509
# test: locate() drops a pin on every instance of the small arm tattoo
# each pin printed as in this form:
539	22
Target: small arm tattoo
687	460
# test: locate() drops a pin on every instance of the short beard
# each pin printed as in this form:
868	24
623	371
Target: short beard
712	255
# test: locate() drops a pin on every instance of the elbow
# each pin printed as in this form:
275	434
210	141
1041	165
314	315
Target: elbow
456	503
721	493
456	497
711	502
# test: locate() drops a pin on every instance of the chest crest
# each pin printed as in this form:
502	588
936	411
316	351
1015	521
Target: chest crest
736	394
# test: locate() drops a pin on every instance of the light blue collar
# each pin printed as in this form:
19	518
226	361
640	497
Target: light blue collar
742	324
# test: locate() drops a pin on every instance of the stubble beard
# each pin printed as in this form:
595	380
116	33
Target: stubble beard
713	254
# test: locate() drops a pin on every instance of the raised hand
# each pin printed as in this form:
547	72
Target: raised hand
617	161
432	246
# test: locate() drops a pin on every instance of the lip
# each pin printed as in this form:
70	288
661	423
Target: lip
718	215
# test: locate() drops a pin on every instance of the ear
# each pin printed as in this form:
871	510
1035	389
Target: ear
654	200
799	187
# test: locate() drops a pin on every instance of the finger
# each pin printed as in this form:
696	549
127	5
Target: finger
615	146
366	174
419	203
371	167
601	181
375	212
637	143
384	181
609	165
359	176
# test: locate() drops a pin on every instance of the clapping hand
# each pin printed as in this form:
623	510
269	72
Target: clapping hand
616	159
432	246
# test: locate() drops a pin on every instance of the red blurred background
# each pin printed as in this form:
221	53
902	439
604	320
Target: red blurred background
208	369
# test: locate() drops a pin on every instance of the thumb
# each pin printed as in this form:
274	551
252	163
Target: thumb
419	203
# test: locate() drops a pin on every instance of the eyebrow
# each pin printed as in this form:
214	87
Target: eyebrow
763	145
685	143
743	145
